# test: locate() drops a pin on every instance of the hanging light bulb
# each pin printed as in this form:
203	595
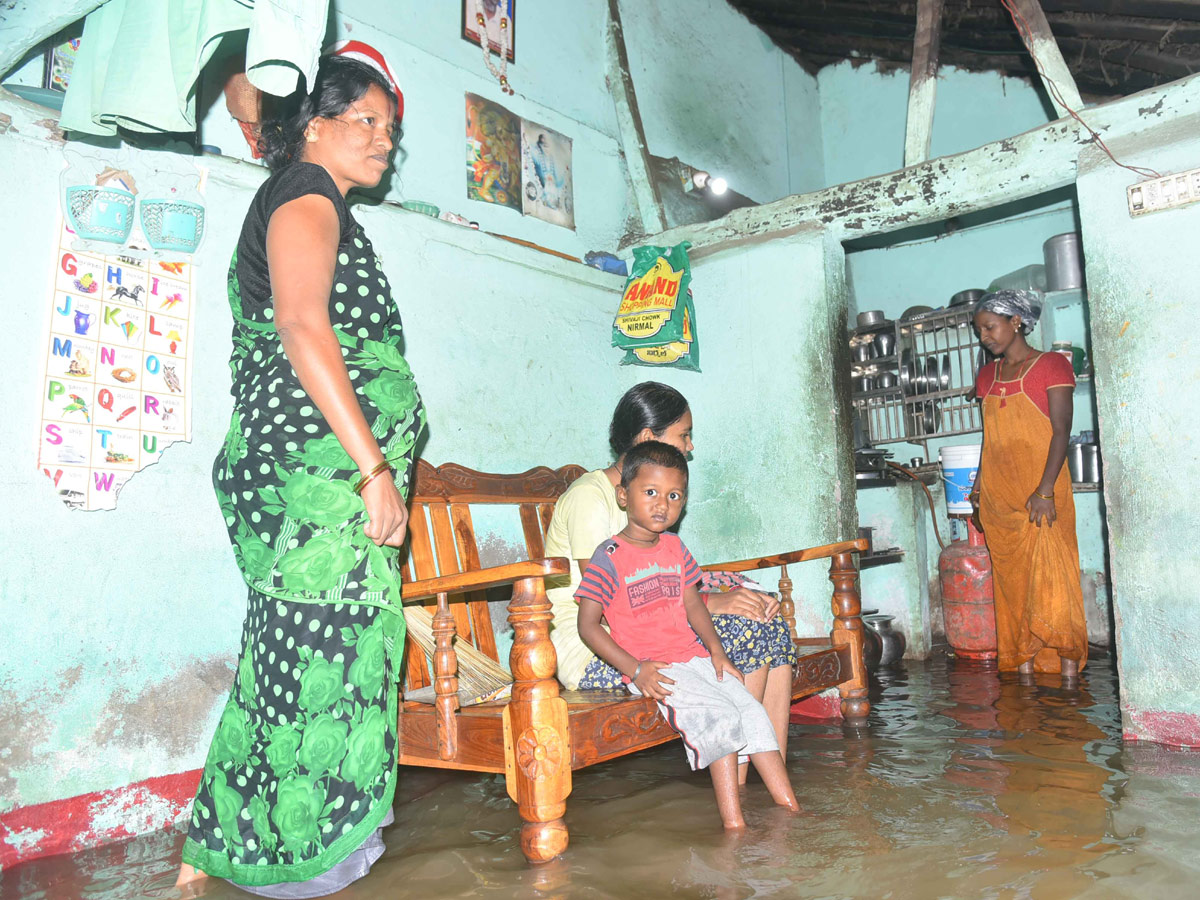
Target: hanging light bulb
718	185
699	178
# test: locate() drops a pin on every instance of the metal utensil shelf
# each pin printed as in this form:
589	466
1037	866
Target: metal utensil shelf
936	360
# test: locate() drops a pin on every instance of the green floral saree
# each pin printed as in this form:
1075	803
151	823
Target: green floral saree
303	765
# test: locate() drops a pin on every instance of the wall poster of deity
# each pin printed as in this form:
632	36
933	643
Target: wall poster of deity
519	164
493	153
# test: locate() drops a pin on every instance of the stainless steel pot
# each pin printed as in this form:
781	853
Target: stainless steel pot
967	297
1091	463
860	352
892	642
870	317
1075	462
885	343
1064	262
885	380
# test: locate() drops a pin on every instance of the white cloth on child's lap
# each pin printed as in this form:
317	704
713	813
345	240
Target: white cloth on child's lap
714	718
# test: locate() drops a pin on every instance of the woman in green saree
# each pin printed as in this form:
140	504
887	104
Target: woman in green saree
311	481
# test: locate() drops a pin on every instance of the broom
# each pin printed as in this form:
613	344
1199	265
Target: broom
480	677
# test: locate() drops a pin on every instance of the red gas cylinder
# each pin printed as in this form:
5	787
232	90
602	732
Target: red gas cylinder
965	573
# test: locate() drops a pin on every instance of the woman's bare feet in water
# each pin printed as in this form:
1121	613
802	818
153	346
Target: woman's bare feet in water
1069	669
189	879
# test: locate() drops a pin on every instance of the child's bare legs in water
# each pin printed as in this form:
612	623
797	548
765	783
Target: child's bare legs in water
771	770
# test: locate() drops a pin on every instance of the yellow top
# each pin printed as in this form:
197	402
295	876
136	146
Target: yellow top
586	515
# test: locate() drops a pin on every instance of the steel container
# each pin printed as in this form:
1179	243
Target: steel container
1064	262
1075	462
1091	463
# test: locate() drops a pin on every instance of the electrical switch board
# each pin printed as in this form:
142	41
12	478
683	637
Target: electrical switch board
1167	192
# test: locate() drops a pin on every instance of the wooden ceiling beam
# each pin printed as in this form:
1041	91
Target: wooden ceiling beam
922	84
1056	76
629	126
1015	168
1149	31
1187	10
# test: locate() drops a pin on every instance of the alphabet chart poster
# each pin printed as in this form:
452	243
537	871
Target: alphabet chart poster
116	390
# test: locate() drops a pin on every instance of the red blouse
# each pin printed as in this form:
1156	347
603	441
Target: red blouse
1047	371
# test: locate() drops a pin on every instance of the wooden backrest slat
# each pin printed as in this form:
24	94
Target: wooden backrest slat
468	555
442	538
534	545
420	546
447	554
422	565
545	513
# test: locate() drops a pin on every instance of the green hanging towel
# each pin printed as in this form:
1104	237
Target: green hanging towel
139	60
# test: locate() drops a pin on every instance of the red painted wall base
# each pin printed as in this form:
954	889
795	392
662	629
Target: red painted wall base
1175	729
825	705
76	823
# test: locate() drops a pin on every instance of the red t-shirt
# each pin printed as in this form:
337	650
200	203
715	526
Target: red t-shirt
1047	371
641	592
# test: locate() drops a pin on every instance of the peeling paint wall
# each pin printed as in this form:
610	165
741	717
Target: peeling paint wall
712	91
925	266
121	626
863	111
771	467
1143	291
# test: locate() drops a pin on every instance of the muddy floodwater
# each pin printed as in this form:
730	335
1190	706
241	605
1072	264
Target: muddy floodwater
966	785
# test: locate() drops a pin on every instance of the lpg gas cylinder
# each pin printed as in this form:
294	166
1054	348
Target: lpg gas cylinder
965	573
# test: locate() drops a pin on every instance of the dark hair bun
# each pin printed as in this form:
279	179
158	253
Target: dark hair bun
647	405
340	82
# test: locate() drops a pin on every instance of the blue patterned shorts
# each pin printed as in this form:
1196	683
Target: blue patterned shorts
749	644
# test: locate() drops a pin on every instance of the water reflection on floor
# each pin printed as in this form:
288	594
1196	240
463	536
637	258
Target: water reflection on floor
966	785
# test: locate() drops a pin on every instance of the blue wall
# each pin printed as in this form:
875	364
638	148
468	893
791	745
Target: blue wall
116	677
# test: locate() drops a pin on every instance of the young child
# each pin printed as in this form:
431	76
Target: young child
643	582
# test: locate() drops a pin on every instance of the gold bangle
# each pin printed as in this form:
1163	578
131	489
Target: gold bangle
372	475
1043	496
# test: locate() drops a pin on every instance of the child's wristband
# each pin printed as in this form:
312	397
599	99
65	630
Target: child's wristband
637	671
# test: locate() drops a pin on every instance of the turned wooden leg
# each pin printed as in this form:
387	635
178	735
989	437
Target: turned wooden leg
787	608
537	748
848	632
445	679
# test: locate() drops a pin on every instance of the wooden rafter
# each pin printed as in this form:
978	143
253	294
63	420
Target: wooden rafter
1012	169
629	126
1039	41
922	86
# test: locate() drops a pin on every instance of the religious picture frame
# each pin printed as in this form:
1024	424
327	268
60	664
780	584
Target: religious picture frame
493	145
491	11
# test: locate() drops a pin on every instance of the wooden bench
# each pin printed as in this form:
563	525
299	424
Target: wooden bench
544	732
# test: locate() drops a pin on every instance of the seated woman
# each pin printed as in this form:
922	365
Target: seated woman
755	637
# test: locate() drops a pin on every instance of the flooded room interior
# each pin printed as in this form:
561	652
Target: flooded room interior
395	312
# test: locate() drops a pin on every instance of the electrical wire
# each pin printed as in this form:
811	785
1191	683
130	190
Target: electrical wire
928	496
1025	30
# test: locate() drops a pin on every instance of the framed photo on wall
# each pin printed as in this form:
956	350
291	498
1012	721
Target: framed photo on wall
59	61
492	11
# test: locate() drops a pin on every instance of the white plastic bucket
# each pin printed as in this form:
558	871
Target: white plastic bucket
960	465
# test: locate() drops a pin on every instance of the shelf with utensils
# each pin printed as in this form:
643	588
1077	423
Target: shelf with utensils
935	360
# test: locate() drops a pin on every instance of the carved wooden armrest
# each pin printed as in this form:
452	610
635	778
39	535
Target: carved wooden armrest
839	553
482	579
526	578
795	556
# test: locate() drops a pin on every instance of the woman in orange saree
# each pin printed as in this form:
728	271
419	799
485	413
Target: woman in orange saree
1023	492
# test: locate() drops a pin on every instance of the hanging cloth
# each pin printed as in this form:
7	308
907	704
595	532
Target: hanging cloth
139	60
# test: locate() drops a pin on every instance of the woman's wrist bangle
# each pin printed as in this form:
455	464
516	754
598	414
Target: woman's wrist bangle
1037	493
637	671
379	469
